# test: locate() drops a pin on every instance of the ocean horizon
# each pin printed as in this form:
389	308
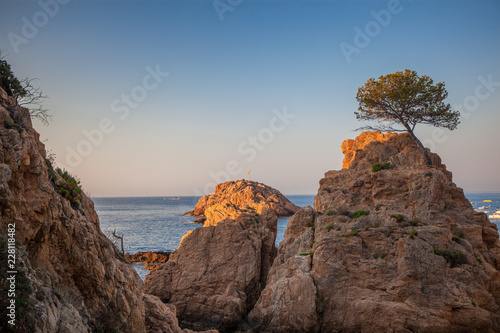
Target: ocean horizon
158	224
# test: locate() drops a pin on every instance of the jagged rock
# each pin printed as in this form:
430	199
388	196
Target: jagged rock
71	278
215	276
422	260
161	317
233	198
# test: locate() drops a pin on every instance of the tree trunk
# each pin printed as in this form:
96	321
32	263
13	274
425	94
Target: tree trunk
424	150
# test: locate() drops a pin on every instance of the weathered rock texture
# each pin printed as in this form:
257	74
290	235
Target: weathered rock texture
216	275
70	278
422	260
233	198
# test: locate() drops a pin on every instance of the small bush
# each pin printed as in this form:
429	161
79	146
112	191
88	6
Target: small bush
383	255
10	125
453	257
310	224
359	213
455	239
380	166
413	233
68	186
378	206
306	254
399	217
353	233
330	227
363	244
330	213
479	260
9	82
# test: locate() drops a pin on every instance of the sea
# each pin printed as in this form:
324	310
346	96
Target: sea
158	223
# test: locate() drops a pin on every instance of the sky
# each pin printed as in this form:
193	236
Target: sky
164	98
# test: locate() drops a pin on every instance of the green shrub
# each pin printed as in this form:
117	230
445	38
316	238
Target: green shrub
330	227
353	233
399	217
359	213
9	82
380	166
454	258
310	224
413	233
330	212
479	260
68	186
383	255
10	125
306	254
455	239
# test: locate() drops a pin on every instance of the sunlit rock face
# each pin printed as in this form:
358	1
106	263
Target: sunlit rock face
233	198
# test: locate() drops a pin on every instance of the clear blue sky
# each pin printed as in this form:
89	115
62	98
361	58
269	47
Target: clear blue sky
231	69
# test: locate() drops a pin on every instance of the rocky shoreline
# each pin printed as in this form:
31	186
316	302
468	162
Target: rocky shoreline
391	245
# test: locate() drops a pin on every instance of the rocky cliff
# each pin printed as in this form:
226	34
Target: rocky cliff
233	198
392	245
216	275
70	277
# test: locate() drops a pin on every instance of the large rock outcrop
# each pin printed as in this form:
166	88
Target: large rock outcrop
233	198
392	245
70	278
216	275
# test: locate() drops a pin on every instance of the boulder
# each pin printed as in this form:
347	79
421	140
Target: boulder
398	249
233	198
216	275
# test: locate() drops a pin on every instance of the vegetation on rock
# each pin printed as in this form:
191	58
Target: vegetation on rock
405	99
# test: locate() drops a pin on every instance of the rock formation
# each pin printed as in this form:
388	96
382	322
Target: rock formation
70	277
392	245
233	198
215	276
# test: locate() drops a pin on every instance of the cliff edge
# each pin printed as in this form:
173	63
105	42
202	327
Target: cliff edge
66	277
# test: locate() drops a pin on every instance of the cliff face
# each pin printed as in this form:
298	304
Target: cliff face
233	198
70	277
391	245
216	275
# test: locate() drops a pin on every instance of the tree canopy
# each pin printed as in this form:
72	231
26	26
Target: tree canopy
401	100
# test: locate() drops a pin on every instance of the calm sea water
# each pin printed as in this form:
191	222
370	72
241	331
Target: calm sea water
157	224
